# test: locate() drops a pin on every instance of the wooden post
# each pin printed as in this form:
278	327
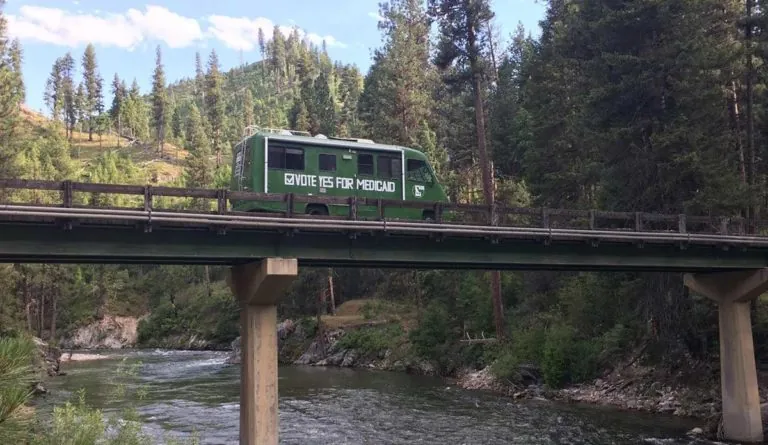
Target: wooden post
733	292
258	286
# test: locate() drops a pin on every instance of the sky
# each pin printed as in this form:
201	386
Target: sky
125	33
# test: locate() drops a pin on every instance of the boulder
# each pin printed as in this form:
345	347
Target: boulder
284	330
110	332
49	357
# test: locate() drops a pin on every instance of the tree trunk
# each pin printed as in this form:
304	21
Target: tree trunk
54	315
27	300
90	129
208	281
736	128
41	313
485	164
750	115
330	291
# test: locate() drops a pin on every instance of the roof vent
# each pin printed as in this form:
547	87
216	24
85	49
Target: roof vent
358	140
321	136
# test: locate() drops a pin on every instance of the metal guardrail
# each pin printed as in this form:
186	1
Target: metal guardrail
494	222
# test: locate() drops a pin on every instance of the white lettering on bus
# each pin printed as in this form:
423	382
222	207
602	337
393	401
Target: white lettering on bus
375	185
339	182
300	180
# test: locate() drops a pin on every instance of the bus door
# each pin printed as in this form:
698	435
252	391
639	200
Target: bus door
365	173
389	180
418	180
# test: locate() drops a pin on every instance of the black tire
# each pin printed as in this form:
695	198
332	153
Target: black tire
317	210
428	217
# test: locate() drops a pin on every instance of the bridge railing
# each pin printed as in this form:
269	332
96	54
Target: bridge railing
69	194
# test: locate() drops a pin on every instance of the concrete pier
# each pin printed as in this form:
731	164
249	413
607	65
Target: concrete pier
258	287
733	291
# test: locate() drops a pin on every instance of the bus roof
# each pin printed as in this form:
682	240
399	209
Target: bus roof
337	143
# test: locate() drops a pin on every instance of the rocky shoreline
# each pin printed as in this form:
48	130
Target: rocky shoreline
47	364
630	387
296	346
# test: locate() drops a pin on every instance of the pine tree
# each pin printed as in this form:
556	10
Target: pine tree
54	91
198	172
69	92
177	125
277	60
262	44
119	96
349	91
463	25
199	78
159	102
81	107
323	106
214	105
10	79
397	96
93	87
248	119
15	58
510	123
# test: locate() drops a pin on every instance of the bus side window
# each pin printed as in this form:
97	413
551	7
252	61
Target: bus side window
276	157
327	162
294	159
284	158
389	167
417	170
365	164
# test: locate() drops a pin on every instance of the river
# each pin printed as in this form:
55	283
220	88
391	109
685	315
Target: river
196	391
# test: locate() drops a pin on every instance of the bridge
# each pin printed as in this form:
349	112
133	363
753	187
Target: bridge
722	258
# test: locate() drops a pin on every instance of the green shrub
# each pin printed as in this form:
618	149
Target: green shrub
16	377
371	340
568	359
213	317
434	334
524	346
506	366
558	347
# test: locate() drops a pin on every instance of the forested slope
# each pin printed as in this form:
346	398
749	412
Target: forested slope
633	105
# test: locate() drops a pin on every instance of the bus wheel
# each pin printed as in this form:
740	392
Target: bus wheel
428	217
315	209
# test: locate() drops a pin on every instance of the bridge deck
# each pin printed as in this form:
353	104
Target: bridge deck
522	239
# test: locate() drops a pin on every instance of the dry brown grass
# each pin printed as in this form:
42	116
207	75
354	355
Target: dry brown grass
160	169
350	314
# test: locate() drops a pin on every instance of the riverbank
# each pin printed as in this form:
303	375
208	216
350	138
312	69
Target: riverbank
692	393
197	391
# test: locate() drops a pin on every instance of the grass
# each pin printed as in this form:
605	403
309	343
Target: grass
160	169
368	311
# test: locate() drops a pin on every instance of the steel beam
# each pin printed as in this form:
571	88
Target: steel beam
25	242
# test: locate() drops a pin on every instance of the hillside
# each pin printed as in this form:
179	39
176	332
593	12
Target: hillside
156	169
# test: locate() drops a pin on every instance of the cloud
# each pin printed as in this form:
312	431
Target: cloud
134	28
127	30
375	16
242	33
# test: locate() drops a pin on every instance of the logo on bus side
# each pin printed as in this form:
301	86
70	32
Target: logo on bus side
339	182
418	191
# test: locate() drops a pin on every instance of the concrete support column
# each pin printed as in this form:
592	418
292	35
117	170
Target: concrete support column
258	286
733	292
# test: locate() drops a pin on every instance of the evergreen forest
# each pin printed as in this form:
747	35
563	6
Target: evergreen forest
624	105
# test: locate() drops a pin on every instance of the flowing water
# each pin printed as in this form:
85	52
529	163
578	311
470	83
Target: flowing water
197	391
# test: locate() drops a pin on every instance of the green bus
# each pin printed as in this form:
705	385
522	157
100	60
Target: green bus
286	161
